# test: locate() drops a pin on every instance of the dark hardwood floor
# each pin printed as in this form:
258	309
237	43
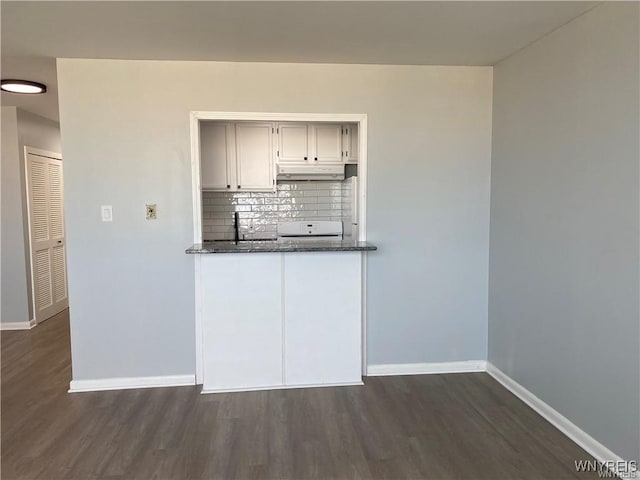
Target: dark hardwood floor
462	426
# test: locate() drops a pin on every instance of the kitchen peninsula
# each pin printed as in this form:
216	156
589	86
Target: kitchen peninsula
280	258
281	314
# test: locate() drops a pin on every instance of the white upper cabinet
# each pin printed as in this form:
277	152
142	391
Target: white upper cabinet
217	156
236	156
241	155
350	142
254	163
326	143
313	143
293	142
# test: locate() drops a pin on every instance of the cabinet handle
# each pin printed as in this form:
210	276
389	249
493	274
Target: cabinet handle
238	186
305	158
316	159
228	186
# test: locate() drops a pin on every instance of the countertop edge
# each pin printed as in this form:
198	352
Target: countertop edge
199	249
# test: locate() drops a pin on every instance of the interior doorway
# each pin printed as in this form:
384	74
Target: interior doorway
45	207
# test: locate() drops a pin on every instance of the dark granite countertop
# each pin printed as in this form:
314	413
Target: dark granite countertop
279	247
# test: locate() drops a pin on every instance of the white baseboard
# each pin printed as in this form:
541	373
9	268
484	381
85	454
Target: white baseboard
426	368
18	325
562	423
126	383
280	387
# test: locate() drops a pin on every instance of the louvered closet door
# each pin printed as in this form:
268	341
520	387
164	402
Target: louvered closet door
46	222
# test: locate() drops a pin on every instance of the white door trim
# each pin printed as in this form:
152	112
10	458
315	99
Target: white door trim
195	117
55	156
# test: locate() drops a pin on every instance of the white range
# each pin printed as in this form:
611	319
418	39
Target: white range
305	230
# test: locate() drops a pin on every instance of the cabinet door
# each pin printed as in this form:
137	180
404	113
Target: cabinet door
216	156
322	318
326	143
241	321
350	143
293	142
254	163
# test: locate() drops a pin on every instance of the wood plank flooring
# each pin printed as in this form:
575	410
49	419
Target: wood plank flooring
462	426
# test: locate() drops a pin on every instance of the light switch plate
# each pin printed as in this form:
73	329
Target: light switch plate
151	211
107	213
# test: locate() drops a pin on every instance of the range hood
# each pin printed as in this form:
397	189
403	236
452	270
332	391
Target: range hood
310	172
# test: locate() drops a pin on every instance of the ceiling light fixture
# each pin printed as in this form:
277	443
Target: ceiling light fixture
23	86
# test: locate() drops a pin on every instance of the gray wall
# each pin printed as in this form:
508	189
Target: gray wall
126	142
563	316
14	302
19	129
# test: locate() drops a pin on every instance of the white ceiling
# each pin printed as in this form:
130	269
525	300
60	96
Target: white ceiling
416	33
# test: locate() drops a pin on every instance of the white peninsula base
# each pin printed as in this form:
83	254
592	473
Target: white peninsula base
281	320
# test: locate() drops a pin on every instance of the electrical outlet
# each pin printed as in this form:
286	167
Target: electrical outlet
151	211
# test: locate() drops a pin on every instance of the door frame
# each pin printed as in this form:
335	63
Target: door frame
194	118
55	156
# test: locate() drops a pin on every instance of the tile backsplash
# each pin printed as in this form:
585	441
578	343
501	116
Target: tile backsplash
260	211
